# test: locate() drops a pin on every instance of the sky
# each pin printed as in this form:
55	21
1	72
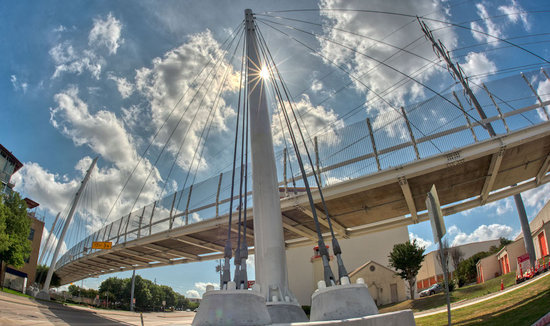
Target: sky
81	79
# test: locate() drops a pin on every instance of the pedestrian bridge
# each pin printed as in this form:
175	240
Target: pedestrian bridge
375	176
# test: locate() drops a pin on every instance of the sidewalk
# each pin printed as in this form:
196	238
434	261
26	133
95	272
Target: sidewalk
469	302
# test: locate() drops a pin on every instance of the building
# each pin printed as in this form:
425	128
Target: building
505	261
431	271
385	286
9	164
19	278
540	228
305	268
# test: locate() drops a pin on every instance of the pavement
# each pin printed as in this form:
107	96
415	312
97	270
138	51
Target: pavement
466	303
17	311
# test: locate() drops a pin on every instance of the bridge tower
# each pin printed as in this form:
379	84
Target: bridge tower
269	245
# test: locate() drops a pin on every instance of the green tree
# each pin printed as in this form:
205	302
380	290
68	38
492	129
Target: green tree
406	258
15	226
42	272
181	301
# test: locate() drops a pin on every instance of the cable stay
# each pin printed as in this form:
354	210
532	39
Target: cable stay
224	45
273	69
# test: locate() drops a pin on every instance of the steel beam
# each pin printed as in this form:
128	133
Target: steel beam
321	216
292	226
543	169
172	252
496	160
197	243
404	184
150	257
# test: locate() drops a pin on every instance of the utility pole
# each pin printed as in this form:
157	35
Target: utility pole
45	294
132	290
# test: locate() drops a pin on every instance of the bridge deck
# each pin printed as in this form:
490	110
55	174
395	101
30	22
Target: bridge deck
465	178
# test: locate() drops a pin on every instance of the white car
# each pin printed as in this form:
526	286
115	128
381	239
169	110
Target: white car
436	288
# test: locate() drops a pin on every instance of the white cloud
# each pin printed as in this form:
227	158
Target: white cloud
375	79
494	30
543	89
101	131
67	59
17	85
515	13
478	64
106	136
502	206
106	33
313	119
421	242
193	294
172	78
60	29
537	197
195	217
316	86
125	88
44	187
200	288
482	233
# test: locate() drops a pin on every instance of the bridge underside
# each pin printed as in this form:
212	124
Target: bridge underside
465	178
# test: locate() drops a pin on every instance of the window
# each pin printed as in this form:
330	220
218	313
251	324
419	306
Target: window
31	234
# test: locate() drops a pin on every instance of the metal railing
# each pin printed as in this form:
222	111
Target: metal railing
421	130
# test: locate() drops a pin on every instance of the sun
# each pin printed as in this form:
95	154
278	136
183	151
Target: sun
264	73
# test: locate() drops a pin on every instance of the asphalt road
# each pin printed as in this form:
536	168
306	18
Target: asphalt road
18	311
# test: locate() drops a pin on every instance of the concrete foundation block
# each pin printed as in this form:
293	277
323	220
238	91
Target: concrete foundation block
284	312
342	302
397	318
232	307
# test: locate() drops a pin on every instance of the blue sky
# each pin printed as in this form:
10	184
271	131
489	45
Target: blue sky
81	79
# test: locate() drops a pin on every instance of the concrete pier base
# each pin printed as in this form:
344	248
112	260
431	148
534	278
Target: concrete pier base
232	307
43	295
397	318
342	302
285	312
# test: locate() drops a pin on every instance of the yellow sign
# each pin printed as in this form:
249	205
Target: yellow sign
102	245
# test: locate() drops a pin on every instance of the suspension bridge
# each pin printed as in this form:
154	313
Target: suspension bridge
185	226
483	143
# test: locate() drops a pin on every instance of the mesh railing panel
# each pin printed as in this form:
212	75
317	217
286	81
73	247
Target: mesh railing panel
344	154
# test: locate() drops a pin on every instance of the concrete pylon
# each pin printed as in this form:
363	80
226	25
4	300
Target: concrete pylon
269	245
527	238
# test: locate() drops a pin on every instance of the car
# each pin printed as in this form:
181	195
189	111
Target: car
436	288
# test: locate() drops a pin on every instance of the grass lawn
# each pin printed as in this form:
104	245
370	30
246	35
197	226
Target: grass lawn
463	293
15	292
521	307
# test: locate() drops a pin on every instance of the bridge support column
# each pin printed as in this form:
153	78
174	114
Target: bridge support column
269	244
45	293
132	290
527	238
